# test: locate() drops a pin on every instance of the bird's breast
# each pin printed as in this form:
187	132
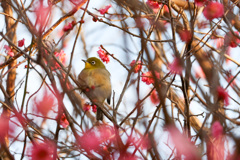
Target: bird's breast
98	80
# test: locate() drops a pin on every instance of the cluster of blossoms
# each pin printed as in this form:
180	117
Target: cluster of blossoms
175	68
9	50
103	55
88	107
212	9
93	138
155	6
137	67
148	77
61	56
102	139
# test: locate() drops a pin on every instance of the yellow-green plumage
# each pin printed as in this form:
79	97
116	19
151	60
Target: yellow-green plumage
96	78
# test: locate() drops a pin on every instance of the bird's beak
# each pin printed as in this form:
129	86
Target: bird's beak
87	64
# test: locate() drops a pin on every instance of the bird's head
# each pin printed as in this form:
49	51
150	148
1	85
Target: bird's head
93	63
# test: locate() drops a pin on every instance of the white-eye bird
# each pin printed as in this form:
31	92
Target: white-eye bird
95	79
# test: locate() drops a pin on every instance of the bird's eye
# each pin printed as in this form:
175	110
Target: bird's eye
93	62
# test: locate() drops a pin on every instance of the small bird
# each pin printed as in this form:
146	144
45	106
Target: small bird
95	79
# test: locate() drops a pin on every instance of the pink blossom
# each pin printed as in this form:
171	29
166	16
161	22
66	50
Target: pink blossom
154	97
86	107
182	144
217	129
176	66
231	40
219	42
69	26
213	10
185	35
43	151
199	73
165	9
105	9
93	138
94	108
138	66
21	42
153	4
44	105
61	56
200	2
9	50
63	121
215	146
223	95
11	54
103	55
148	77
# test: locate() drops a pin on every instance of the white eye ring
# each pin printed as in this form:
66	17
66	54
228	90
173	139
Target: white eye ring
93	62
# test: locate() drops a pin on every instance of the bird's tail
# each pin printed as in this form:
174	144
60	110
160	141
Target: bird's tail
99	114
